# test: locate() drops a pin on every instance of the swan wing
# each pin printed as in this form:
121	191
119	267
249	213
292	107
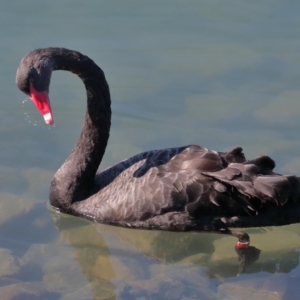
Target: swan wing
150	183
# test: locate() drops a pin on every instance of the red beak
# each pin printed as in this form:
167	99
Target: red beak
42	102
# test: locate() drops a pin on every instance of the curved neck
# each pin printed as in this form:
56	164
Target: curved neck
74	179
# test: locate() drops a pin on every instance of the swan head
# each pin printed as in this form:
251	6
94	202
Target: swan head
33	78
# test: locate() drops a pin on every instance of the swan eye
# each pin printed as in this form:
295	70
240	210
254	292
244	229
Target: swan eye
40	79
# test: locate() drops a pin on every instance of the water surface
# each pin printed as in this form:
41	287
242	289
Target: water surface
216	73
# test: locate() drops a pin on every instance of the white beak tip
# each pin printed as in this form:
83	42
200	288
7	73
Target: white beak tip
48	118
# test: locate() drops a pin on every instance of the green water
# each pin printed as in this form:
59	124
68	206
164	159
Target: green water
216	73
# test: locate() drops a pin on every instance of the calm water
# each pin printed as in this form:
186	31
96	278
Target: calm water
215	73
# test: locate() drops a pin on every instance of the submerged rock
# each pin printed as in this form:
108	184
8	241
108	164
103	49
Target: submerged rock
9	264
25	291
12	206
171	282
269	288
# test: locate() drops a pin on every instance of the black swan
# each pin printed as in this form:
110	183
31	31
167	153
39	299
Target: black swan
181	189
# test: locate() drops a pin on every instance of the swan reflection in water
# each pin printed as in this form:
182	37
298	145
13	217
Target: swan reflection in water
138	260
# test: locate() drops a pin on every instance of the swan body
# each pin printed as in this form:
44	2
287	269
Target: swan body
185	188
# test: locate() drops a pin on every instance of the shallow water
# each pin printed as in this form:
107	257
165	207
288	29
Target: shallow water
216	73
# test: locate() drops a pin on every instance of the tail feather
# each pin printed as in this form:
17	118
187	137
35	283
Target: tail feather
253	184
